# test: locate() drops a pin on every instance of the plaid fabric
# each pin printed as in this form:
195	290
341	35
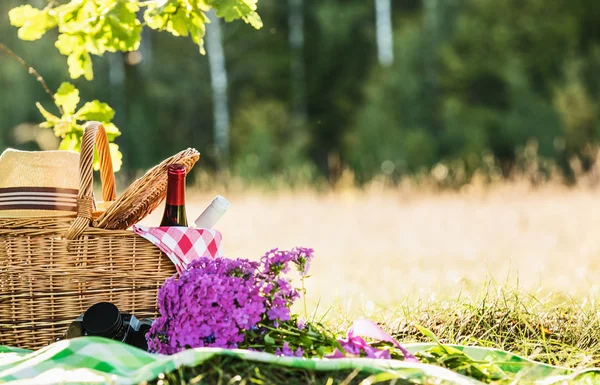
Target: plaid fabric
183	244
94	360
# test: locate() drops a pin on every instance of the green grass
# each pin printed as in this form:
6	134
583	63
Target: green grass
229	370
415	243
552	329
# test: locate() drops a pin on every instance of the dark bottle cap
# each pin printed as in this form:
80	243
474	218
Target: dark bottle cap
102	319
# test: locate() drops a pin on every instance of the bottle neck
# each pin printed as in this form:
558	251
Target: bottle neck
176	190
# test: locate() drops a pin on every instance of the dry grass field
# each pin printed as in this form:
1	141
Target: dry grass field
508	267
382	247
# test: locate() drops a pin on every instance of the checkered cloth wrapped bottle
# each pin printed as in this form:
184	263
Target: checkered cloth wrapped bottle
183	244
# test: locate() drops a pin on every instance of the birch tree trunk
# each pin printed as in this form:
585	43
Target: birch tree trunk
385	36
218	75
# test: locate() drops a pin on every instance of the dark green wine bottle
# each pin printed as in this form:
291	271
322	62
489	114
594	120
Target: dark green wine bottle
175	214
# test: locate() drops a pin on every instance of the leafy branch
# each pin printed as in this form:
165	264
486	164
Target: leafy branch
69	126
94	27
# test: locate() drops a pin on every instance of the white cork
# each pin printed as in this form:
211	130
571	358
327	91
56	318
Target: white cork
212	213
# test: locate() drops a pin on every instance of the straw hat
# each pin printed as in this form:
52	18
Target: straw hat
38	183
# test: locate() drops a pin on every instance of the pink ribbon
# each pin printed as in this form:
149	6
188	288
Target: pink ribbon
354	342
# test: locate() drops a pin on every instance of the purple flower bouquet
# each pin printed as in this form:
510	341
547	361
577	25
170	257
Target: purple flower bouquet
236	303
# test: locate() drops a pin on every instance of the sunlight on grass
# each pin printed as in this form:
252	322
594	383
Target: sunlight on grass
383	246
508	267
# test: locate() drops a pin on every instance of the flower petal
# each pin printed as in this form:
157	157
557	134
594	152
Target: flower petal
367	328
336	354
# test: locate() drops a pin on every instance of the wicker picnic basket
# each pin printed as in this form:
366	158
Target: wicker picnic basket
53	268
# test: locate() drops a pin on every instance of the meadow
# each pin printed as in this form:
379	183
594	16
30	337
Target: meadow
508	266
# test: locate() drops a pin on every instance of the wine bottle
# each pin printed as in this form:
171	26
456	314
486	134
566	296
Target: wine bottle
212	213
174	214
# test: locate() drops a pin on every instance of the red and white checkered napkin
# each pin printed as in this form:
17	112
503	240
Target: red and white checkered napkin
183	244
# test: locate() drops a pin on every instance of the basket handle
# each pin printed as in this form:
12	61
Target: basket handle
93	134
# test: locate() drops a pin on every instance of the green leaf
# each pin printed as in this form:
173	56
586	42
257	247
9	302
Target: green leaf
75	16
111	131
67	44
115	156
51	120
233	9
155	20
46	125
254	20
269	340
178	19
428	333
33	22
322	350
71	142
95	110
64	128
20	15
121	37
80	63
67	97
306	342
179	24
122	30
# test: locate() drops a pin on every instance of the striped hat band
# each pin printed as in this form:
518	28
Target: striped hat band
38	198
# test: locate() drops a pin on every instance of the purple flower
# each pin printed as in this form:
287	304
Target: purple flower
285	351
276	261
223	302
300	324
211	304
302	258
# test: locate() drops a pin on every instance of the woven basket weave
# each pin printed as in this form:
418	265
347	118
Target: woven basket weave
53	269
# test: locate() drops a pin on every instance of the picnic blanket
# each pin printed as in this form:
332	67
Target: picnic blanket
93	360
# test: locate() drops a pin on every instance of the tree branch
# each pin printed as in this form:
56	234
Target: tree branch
32	71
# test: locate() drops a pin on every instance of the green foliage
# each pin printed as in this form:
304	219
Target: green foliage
315	339
264	143
390	133
458	361
188	18
478	87
179	20
69	126
33	22
496	79
231	370
93	27
85	27
231	10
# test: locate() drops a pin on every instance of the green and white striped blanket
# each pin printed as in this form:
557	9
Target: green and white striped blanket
92	360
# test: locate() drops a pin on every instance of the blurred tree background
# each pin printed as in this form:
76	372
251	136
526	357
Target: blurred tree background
453	88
